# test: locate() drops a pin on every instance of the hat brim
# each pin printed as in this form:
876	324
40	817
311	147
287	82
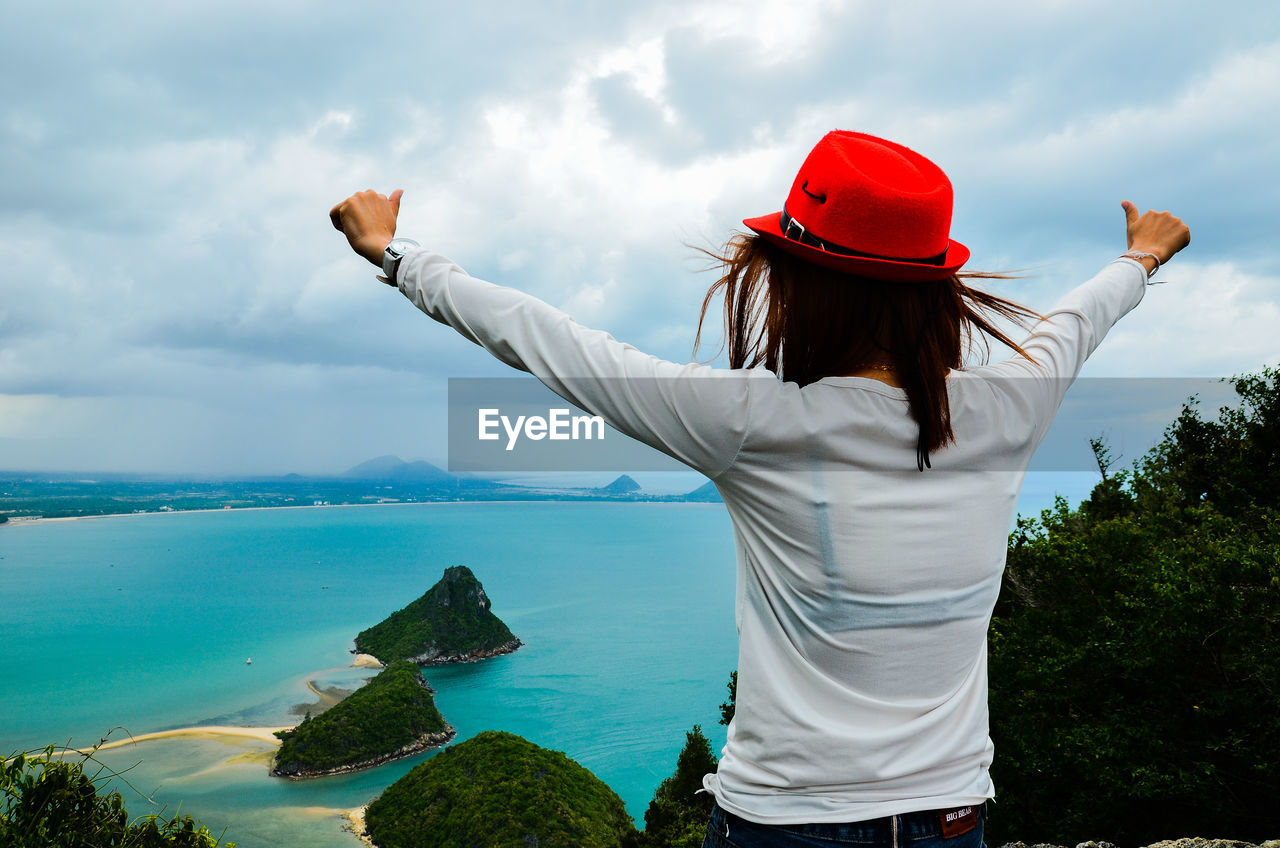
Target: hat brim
770	227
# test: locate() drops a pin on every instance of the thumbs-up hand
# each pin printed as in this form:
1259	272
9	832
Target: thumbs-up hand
368	220
1158	233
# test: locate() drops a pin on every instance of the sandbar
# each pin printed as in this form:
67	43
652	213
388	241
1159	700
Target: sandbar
265	734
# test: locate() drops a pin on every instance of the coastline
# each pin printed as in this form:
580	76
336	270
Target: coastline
21	520
357	826
477	656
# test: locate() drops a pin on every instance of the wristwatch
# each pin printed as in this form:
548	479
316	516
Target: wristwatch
391	257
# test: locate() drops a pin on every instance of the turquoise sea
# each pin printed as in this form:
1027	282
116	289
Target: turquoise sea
144	623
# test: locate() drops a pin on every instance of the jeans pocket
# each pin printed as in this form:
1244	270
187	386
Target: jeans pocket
972	839
715	837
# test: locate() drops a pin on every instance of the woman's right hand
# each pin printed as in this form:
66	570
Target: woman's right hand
1155	232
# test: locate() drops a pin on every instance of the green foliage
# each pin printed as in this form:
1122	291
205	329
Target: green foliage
452	619
392	710
1135	651
1232	463
497	789
730	706
49	802
677	815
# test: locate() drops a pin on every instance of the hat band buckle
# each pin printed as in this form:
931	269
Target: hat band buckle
805	237
808	238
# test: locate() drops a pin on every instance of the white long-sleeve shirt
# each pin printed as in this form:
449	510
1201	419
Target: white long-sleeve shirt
865	587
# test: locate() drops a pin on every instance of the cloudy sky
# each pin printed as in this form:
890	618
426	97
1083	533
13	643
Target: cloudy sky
174	299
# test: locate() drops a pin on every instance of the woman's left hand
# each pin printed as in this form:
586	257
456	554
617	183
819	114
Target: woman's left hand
368	220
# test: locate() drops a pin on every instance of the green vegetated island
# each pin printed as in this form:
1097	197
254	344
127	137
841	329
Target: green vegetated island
391	716
498	789
451	623
394	715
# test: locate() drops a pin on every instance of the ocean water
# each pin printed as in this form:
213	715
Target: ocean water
134	624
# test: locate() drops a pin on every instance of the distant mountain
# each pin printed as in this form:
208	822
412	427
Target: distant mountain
394	469
452	622
620	486
706	493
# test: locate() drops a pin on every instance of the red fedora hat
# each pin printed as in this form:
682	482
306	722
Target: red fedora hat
868	206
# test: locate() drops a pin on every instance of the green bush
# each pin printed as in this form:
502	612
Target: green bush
1135	650
50	802
677	815
498	790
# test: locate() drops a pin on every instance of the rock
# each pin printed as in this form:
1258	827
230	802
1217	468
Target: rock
1185	842
1201	842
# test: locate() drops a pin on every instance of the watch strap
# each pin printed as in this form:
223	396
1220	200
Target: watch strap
391	257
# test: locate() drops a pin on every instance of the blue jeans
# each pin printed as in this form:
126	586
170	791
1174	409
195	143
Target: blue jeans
908	830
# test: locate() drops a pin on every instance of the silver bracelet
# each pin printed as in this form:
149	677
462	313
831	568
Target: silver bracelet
1137	256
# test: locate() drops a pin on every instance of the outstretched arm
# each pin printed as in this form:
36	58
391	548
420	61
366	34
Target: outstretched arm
693	413
1059	345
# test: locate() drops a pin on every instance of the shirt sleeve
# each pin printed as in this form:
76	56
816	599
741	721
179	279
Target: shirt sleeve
1070	332
693	413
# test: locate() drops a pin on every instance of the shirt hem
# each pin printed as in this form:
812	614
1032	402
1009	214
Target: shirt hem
863	812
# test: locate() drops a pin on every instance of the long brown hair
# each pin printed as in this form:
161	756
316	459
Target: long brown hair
804	322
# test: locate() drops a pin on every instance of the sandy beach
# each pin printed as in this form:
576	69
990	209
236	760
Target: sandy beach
266	734
327	698
356	817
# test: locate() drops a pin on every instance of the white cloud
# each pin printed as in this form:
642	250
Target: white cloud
1207	320
778	31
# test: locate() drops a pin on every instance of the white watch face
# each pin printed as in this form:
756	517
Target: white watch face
392	254
399	245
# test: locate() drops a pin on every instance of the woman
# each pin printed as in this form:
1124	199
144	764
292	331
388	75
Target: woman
871	478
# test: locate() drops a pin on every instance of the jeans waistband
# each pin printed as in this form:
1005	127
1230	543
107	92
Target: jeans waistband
898	829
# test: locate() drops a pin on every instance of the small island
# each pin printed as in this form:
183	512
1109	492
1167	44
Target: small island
495	790
451	623
391	716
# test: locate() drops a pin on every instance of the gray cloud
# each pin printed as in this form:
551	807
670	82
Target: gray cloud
171	290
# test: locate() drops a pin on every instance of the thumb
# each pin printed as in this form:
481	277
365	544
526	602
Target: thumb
1130	212
395	201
